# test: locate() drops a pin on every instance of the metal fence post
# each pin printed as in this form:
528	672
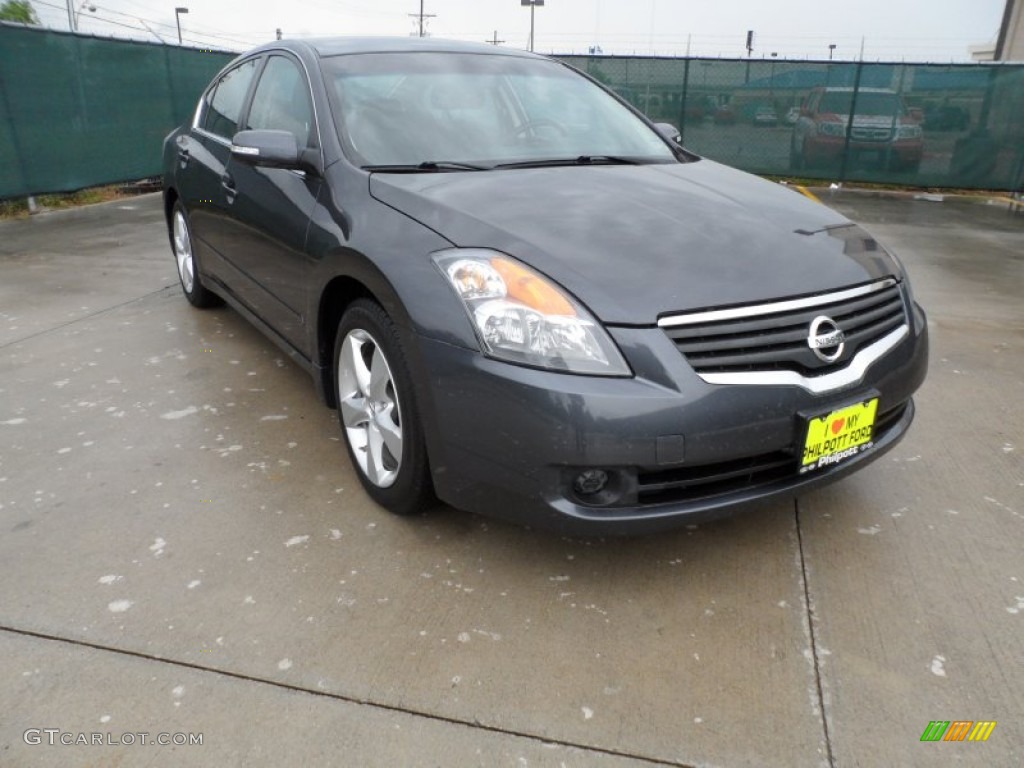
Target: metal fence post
682	101
849	122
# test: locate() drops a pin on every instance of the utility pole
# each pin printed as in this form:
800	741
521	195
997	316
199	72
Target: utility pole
71	18
421	16
750	50
494	40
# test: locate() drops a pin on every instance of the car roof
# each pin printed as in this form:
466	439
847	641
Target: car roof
340	46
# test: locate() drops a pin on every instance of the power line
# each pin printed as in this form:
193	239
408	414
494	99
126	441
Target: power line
170	26
148	24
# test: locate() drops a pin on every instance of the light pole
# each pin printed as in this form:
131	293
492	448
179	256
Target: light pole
533	4
831	48
177	17
85	6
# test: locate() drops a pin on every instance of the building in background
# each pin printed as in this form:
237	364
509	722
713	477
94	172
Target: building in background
1009	43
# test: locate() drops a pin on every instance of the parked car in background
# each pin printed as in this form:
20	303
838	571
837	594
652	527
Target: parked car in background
881	128
766	116
526	298
724	115
946	118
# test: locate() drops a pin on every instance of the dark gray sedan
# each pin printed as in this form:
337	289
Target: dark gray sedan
524	298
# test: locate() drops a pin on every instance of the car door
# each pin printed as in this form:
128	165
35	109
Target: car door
204	155
270	208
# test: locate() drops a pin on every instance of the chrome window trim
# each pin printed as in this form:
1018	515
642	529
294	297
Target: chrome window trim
199	109
818	385
214	136
735	313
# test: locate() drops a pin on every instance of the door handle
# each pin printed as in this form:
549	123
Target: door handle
228	185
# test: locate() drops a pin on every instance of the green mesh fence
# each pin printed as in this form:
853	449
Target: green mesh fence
78	111
959	126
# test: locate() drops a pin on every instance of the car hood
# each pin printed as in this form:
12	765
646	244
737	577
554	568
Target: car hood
637	242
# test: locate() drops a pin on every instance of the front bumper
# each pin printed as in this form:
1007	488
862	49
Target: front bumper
831	148
508	441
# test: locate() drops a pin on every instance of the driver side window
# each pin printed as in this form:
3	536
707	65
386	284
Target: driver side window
282	101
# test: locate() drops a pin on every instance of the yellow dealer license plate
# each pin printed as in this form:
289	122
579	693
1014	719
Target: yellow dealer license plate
839	435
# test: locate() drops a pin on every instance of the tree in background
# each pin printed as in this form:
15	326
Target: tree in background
20	11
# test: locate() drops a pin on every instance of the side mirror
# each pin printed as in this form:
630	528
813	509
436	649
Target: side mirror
669	131
267	149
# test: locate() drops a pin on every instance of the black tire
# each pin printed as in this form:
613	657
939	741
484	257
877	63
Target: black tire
186	260
375	403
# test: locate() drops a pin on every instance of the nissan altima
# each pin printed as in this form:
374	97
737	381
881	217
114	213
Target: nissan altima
528	301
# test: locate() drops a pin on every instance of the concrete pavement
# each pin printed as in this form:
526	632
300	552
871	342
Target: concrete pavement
185	549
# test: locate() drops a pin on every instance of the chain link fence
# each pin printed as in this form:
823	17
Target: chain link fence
79	111
942	125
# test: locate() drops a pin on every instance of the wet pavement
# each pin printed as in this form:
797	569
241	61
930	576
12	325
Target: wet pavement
186	550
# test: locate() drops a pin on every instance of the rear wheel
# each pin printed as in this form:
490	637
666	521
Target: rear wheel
185	258
378	412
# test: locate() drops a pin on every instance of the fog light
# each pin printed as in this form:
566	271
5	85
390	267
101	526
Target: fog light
590	481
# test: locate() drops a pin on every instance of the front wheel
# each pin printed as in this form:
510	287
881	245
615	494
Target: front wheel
378	412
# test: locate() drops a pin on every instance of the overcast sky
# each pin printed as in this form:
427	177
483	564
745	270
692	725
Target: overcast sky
912	30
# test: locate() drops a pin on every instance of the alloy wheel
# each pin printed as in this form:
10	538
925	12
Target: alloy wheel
369	408
183	252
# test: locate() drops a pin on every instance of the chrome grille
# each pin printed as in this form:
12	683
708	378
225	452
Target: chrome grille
773	337
871	134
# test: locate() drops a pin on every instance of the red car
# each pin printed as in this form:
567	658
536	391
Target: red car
725	115
882	127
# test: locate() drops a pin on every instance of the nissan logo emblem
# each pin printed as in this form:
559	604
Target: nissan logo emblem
826	339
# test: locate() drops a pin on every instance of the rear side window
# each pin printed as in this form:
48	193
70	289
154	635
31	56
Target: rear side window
228	97
282	102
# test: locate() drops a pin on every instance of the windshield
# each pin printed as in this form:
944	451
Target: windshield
868	103
480	110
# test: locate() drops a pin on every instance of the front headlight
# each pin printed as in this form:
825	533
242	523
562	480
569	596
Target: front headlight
522	317
827	128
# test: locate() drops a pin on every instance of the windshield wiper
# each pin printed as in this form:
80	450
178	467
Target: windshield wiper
427	166
580	160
